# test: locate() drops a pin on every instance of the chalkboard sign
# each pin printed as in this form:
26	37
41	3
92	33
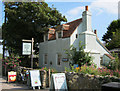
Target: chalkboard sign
35	78
58	81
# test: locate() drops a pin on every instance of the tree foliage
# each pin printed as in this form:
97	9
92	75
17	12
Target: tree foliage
115	41
79	56
26	20
111	36
113	27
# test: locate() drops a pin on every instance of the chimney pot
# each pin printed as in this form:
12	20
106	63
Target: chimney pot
95	31
86	8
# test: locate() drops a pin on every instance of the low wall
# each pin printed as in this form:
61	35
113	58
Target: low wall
84	81
76	81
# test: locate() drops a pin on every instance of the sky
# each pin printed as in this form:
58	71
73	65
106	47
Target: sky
103	11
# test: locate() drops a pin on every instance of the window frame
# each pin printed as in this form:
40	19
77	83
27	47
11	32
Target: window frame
57	55
45	59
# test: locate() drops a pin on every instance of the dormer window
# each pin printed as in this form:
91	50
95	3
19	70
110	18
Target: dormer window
66	27
59	34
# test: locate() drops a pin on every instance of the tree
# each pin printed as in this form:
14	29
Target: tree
113	27
115	41
78	56
26	20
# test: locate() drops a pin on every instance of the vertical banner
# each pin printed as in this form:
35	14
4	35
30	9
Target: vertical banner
35	78
12	76
58	81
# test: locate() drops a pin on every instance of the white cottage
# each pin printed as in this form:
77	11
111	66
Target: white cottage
52	50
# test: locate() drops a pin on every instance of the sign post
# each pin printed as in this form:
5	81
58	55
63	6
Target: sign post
28	49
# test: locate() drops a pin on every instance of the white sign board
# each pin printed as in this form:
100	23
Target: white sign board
26	49
59	81
35	78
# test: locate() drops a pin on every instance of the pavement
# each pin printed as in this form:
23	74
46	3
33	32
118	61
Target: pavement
5	86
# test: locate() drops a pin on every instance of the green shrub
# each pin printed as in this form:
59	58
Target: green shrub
79	56
89	69
94	71
11	62
114	64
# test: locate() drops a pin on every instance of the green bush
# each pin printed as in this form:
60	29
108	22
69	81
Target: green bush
114	64
78	56
99	71
11	62
89	69
94	71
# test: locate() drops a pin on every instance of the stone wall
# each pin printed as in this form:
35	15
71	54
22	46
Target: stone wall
77	81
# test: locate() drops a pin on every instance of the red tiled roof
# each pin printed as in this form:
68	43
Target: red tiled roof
72	26
111	57
68	31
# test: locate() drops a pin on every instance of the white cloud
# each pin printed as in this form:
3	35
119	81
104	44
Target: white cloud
105	6
97	6
75	11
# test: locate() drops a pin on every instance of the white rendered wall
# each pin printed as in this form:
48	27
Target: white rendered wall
52	48
96	58
101	49
86	18
73	40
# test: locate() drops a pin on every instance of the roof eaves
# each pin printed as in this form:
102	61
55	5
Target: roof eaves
103	45
111	57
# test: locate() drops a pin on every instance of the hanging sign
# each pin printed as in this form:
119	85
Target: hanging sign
58	81
12	76
35	78
65	59
26	50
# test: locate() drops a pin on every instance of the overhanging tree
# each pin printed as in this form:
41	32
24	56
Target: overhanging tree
27	20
